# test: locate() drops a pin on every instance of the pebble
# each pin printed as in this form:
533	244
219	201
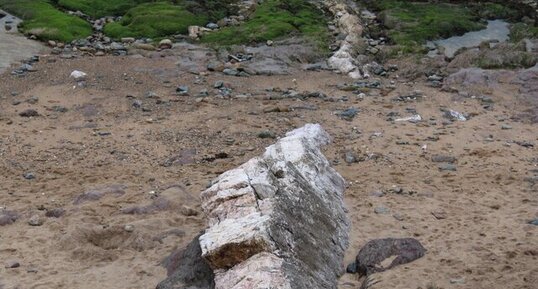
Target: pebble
182	90
352	268
137	103
29	176
266	134
231	72
506	126
212	26
439	215
218	84
35	220
348	114
381	210
129	228
29	113
447	167
443	159
59	108
350	157
165	44
151	94
457	281
377	194
12	264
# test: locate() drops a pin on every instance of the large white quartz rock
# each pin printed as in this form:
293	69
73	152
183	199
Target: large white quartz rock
278	221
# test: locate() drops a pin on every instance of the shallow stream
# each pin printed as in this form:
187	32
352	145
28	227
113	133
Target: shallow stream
497	30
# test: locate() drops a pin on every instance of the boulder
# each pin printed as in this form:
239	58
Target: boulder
278	219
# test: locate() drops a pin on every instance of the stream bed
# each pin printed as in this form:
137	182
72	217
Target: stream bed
497	30
14	46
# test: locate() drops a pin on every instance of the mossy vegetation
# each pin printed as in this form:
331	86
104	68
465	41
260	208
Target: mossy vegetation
411	24
519	31
492	11
45	21
214	9
275	19
506	56
155	20
100	8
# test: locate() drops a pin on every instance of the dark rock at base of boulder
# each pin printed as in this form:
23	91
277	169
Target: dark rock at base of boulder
187	269
370	256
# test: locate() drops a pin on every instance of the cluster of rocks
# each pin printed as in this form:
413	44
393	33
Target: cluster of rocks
347	25
26	66
373	32
98	45
243	9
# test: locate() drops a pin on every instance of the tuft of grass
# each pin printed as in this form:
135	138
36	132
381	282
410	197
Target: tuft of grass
42	19
275	19
154	20
519	31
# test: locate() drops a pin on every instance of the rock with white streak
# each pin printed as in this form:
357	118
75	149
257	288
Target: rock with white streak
348	23
278	221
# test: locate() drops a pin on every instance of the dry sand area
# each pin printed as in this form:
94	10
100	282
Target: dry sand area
103	156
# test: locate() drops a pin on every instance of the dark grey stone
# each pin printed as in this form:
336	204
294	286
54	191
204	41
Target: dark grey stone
186	269
374	252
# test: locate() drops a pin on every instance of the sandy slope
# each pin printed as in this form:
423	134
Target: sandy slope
483	241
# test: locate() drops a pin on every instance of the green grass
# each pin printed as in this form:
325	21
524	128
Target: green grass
495	11
519	31
42	19
413	23
154	20
272	20
100	8
214	9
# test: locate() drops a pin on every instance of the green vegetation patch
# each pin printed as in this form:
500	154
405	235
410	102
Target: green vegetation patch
214	9
100	8
411	24
46	22
495	11
274	19
519	31
155	20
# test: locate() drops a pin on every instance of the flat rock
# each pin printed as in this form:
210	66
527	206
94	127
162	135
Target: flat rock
372	254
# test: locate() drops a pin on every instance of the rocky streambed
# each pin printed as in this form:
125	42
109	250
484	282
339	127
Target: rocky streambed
14	46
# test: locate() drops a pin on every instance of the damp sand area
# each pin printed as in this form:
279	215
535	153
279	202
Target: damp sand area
14	46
